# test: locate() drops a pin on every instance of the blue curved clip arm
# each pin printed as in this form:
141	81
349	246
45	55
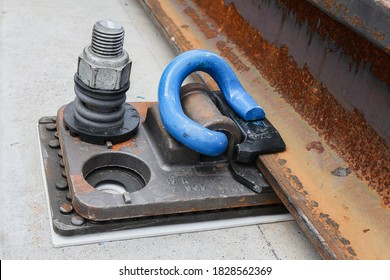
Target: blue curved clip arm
182	128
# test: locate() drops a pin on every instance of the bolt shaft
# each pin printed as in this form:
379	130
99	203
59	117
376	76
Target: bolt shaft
99	113
107	38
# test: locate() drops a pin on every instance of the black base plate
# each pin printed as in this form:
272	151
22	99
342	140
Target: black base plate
67	222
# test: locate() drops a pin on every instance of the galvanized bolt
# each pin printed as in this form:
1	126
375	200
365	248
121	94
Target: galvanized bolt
105	64
97	114
107	38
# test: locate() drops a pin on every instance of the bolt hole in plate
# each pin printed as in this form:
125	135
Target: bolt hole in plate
116	173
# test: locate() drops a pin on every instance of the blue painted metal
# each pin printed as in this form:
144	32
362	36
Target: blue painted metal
182	128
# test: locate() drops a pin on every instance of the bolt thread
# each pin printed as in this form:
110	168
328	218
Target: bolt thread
107	38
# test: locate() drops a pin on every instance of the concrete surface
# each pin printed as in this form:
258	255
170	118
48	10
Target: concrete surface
39	44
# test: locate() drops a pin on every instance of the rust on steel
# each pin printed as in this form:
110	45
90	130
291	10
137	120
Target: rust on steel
358	16
168	27
346	216
197	105
360	49
296	197
347	132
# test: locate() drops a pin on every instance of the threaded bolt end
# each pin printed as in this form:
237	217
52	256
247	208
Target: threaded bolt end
107	38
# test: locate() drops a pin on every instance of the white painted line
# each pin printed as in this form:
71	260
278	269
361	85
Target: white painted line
63	241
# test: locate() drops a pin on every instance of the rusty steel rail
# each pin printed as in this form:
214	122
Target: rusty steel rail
342	207
367	17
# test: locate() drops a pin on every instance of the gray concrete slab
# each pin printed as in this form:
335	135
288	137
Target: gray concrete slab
39	44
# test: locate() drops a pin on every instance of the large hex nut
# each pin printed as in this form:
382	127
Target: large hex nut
102	72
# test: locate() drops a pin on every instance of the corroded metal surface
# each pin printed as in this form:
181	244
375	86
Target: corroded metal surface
153	176
355	71
66	221
197	105
334	176
358	15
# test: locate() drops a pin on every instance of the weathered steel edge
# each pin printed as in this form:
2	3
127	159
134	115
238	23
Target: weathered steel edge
321	229
264	165
357	15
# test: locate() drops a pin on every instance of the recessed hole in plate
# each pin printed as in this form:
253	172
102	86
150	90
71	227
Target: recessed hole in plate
111	186
116	173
